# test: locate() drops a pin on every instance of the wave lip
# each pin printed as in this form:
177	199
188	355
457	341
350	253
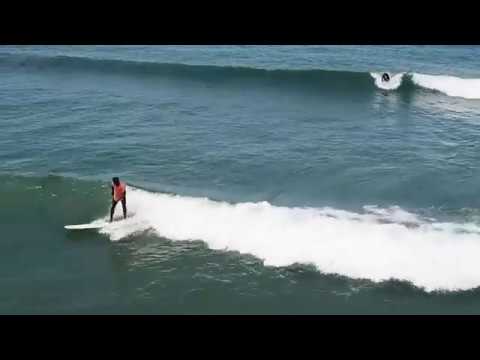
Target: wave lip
380	244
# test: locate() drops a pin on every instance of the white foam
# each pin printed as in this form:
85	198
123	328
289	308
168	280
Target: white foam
449	85
393	214
435	256
394	83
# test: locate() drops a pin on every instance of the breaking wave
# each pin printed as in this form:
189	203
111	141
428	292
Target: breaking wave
378	244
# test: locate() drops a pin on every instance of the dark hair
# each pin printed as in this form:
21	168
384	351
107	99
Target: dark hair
116	180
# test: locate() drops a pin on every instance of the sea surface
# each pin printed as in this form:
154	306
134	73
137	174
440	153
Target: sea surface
260	179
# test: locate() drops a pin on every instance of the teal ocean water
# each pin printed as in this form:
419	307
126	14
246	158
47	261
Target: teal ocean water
261	179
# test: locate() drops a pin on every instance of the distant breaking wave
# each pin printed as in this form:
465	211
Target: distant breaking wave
449	85
344	81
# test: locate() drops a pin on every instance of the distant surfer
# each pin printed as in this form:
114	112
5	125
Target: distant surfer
385	77
119	193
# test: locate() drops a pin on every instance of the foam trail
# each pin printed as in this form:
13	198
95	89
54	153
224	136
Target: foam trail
449	85
434	256
394	83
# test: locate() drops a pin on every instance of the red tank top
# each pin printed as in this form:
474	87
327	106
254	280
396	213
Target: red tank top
119	191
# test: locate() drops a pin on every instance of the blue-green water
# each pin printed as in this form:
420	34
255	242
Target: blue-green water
262	179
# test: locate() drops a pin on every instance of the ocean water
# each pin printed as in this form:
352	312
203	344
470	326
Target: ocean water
261	179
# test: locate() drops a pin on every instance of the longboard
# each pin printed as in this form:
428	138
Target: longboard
97	224
85	226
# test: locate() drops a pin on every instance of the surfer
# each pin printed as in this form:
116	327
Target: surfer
119	193
385	77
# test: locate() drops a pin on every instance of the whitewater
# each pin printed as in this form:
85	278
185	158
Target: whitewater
378	244
448	85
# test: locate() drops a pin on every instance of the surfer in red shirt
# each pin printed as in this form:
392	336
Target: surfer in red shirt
119	193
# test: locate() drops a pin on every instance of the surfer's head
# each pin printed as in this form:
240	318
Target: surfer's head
116	181
385	77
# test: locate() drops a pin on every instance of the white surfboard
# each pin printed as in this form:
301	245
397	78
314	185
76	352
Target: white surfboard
97	224
85	226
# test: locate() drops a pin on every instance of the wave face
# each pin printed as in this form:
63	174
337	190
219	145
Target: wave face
313	78
379	244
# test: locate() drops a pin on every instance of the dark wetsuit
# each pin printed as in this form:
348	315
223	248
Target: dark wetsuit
124	205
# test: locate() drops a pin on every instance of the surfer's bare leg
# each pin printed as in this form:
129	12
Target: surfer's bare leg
124	206
112	209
